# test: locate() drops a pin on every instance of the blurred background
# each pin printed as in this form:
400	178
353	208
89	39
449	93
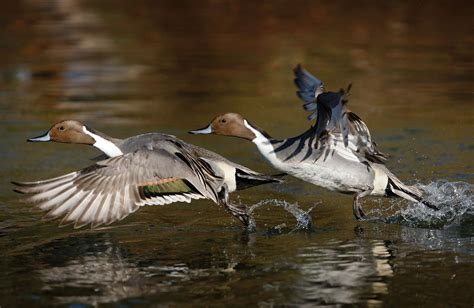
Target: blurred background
129	67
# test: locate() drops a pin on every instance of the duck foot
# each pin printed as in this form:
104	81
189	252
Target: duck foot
241	212
359	213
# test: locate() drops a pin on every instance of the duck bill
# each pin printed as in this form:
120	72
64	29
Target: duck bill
43	138
206	130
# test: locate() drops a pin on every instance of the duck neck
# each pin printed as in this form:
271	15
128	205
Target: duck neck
258	132
264	143
104	143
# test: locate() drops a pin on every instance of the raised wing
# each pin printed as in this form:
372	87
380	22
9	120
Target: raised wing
327	107
330	113
332	116
363	140
309	87
110	190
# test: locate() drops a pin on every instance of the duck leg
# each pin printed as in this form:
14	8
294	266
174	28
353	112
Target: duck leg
239	211
357	207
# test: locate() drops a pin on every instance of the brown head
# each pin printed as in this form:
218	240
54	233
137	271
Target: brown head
228	124
68	131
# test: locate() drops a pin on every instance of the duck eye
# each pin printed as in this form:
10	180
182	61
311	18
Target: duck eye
61	128
223	120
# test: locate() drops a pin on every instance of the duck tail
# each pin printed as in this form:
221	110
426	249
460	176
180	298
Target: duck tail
247	180
396	188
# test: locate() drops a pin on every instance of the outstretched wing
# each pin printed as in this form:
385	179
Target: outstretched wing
110	190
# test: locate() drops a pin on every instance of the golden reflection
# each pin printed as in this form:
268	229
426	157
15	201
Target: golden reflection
381	254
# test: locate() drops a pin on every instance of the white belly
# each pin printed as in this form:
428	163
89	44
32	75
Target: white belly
325	176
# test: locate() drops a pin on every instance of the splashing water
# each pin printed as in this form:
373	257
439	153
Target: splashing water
455	201
303	219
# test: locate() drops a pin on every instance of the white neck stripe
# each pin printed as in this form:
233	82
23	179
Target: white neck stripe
259	137
265	147
253	130
106	146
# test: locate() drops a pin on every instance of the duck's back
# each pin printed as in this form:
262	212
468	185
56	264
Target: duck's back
148	141
158	140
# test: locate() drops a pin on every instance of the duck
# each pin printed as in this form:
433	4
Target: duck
146	169
336	153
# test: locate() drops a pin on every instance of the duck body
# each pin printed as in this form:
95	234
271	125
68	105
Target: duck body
333	168
337	153
147	169
235	176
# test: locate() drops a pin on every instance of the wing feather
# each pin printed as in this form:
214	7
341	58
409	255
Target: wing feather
110	190
329	110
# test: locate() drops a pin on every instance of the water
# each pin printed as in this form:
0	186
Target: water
170	66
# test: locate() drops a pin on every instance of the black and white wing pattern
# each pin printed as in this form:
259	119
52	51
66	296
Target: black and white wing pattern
332	116
363	141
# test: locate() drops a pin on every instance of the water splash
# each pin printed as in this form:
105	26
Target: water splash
303	219
455	201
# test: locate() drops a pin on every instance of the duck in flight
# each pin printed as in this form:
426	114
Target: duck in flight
336	153
147	169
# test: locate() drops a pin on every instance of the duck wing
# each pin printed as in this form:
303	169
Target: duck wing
327	107
332	116
346	127
245	177
330	113
363	141
309	87
110	190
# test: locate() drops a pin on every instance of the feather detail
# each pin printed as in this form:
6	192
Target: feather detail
110	190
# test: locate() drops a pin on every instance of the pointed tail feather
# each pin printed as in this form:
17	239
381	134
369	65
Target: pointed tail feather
247	180
411	193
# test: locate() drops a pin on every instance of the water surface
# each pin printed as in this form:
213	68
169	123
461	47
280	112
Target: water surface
170	66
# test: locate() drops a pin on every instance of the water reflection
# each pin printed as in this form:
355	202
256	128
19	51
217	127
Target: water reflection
344	272
166	66
103	276
73	70
93	269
